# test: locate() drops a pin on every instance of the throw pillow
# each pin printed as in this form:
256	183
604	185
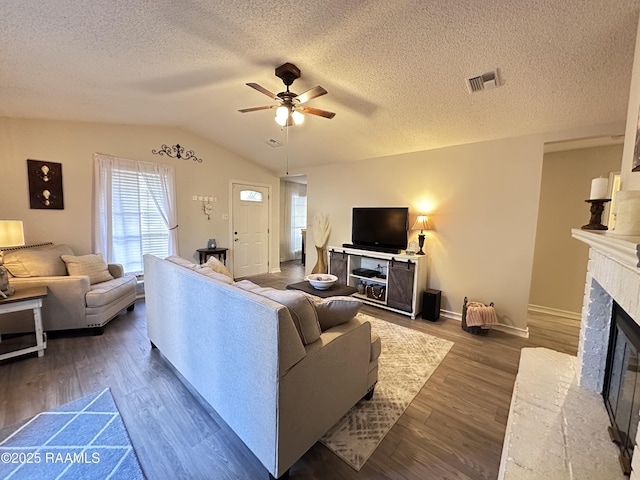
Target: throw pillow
92	265
37	262
336	311
217	266
302	311
207	272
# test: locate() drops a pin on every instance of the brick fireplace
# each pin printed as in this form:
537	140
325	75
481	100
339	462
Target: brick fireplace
613	276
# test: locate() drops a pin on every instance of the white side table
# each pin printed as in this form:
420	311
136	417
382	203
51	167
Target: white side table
26	299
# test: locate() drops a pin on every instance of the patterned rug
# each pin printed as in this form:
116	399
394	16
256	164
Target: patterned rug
407	361
83	439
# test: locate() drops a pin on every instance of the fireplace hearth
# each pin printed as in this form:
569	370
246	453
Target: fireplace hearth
621	390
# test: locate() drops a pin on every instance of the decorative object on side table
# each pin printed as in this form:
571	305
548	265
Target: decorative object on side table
11	235
422	224
597	199
321	231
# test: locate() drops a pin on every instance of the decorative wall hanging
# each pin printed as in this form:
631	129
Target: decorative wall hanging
177	151
45	185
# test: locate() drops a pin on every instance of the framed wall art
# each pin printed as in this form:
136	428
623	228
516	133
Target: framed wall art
45	185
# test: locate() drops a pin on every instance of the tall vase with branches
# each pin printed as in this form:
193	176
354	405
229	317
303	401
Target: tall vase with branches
321	232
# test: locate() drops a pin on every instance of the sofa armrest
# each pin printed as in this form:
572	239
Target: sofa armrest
322	387
116	270
64	306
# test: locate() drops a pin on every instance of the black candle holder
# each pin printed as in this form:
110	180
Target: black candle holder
597	207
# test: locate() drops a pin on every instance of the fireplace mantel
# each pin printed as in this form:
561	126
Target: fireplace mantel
623	248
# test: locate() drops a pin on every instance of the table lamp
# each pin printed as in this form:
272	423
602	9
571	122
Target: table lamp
422	224
11	235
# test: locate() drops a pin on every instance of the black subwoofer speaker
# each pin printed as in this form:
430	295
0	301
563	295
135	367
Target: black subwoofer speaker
431	304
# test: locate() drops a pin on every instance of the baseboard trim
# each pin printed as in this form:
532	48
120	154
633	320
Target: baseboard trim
555	312
515	331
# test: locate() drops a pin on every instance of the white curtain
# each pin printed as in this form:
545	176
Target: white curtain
294	216
134	210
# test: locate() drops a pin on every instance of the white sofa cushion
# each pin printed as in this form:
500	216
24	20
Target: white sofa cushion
182	262
105	293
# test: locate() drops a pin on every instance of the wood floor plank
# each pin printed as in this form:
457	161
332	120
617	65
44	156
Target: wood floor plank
453	429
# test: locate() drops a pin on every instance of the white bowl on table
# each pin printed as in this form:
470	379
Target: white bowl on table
321	281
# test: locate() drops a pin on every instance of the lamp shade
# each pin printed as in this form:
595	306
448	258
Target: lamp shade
11	233
421	223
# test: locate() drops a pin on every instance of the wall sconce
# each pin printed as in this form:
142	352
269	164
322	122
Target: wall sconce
422	224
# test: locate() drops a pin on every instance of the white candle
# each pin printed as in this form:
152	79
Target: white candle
599	187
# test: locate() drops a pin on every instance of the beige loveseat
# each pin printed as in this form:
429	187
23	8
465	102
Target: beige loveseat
73	301
279	376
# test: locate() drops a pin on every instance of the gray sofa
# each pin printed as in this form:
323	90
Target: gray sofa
275	379
72	302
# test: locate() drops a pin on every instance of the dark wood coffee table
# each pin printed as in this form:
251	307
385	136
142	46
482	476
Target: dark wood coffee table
337	289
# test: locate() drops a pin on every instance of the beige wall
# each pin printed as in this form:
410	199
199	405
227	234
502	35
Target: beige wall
483	202
73	143
560	262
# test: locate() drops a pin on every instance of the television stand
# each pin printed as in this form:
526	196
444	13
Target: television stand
399	285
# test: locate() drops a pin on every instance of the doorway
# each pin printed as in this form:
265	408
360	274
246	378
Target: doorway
250	229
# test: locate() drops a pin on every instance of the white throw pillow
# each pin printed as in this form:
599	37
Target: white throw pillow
92	265
217	266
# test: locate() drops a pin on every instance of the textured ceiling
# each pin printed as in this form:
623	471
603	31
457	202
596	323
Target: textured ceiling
395	70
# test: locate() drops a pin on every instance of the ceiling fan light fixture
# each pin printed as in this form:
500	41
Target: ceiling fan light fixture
282	115
297	117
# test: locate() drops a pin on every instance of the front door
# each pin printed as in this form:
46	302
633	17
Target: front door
250	227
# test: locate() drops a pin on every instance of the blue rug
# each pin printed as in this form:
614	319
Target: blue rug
83	439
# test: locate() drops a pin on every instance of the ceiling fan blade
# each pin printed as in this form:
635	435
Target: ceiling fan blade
311	93
261	89
255	109
316	111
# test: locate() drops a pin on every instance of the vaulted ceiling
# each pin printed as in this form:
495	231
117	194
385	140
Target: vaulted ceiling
395	70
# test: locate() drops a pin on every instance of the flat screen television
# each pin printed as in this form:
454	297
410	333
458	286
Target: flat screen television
380	228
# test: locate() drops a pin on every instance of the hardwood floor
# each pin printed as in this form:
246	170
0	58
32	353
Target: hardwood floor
454	428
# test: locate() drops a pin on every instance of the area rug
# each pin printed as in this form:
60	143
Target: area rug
83	439
407	361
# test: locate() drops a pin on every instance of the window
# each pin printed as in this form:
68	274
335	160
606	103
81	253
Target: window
294	219
135	211
250	196
298	222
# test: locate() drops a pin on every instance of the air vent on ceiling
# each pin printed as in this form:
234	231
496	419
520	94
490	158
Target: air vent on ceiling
272	142
486	81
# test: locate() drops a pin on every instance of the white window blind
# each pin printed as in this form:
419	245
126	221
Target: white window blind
134	211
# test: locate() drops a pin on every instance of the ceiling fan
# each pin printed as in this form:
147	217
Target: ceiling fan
290	109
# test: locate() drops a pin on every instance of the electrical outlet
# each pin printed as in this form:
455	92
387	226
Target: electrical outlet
225	216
